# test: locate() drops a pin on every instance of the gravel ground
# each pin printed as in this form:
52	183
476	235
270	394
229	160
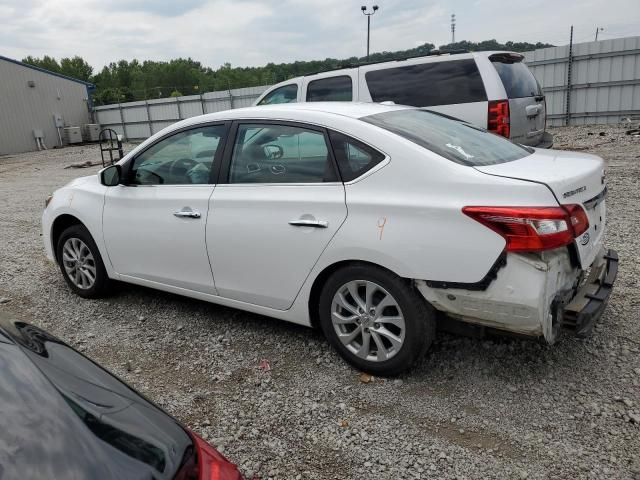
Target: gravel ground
473	408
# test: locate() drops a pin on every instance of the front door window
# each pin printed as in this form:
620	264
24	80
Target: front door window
184	158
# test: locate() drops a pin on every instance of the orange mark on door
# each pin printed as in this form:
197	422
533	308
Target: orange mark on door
381	223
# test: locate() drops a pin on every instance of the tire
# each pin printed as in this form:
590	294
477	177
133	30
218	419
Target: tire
405	326
87	278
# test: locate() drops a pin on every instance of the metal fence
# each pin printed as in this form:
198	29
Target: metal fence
138	120
598	83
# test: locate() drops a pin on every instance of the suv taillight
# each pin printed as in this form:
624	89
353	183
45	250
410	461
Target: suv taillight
203	462
498	120
533	229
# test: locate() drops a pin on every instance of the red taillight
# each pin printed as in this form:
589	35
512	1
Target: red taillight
205	463
533	229
498	120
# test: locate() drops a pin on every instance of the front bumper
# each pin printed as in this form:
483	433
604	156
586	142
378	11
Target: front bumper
587	306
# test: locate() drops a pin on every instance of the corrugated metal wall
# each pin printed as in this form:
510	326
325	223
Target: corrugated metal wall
137	120
605	88
605	80
24	108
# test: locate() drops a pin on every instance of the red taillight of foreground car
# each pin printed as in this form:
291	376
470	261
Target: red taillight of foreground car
205	463
498	120
533	229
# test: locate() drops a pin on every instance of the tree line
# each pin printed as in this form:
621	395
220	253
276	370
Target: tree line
126	81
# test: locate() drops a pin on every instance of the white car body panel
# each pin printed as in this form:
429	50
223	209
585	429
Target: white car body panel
82	198
405	215
265	260
165	248
553	168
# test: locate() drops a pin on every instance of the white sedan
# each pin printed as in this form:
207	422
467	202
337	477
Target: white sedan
363	219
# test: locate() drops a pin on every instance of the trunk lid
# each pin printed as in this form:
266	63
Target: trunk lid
527	106
574	178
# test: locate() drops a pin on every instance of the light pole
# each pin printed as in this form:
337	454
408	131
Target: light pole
598	29
364	10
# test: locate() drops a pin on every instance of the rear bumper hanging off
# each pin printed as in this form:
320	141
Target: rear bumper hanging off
582	312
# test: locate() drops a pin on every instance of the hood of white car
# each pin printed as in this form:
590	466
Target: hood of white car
81	180
573	177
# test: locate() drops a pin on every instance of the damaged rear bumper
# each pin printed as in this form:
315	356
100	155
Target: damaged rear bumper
587	306
533	294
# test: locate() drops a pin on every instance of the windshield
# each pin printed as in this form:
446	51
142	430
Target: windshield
454	140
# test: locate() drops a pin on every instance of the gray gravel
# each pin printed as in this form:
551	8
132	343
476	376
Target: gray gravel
474	408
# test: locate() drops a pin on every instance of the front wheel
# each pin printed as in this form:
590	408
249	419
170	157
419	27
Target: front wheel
375	320
81	263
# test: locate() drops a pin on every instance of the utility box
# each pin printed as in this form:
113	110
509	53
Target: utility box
73	135
58	120
91	132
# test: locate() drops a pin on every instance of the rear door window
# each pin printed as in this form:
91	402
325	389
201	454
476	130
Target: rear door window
517	79
428	84
285	94
332	89
270	153
354	157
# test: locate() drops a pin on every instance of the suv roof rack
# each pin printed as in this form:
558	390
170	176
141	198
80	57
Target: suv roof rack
362	64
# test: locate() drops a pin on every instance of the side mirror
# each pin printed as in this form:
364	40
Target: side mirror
110	176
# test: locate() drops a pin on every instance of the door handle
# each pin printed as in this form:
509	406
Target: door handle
309	223
184	213
532	110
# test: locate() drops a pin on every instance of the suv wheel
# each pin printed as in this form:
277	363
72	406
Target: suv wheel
375	320
81	263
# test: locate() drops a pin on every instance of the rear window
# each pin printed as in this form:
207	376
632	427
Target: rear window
517	79
428	84
332	89
457	141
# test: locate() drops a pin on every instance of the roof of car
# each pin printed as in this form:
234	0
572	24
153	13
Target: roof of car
296	111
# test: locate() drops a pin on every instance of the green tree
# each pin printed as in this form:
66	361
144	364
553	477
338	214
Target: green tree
125	80
76	67
46	62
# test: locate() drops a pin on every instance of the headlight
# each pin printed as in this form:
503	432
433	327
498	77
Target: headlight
47	201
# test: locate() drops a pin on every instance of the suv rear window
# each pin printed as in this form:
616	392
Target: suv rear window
428	84
455	140
332	89
516	77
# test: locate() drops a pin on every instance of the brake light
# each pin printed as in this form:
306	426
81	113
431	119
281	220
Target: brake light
498	120
533	229
204	462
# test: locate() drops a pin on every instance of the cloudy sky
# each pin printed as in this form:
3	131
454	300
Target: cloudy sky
252	32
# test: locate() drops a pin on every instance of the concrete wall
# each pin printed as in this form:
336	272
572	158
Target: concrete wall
137	120
23	108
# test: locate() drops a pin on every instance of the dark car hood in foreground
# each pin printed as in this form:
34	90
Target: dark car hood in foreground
64	417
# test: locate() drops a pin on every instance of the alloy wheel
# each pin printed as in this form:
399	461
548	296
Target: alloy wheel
368	320
79	263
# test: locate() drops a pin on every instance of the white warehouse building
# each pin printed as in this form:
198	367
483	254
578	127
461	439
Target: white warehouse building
37	102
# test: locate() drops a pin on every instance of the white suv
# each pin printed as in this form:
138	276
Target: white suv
494	90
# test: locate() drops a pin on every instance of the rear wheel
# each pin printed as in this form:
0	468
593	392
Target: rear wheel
81	263
375	320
